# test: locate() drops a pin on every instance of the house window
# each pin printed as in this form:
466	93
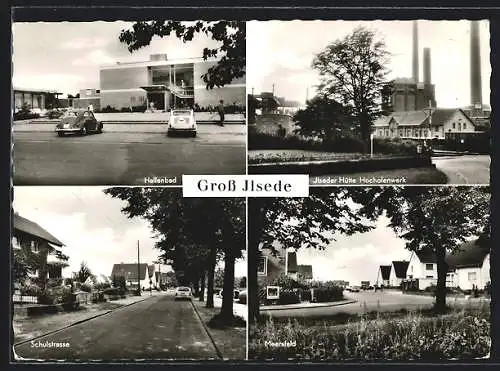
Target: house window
436	129
429	276
471	276
262	266
429	267
15	243
34	247
465	126
454	126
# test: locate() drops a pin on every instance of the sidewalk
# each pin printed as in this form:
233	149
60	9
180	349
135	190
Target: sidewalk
26	328
306	305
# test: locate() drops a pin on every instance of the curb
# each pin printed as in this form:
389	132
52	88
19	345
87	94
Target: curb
323	305
76	323
217	350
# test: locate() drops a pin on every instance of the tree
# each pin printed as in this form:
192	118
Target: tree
230	34
436	219
219	278
296	223
188	231
352	71
324	118
243	283
84	272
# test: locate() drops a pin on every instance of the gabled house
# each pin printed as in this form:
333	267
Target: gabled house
130	272
272	266
417	125
398	273
385	274
469	266
423	267
36	252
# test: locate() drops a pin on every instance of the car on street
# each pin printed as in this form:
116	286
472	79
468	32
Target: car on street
78	122
183	292
352	289
182	121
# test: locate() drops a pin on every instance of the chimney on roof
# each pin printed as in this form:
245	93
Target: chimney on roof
415	52
427	66
475	66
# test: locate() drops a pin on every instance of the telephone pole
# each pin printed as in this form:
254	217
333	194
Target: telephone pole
138	270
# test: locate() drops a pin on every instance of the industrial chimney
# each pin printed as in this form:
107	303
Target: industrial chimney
475	66
427	66
415	52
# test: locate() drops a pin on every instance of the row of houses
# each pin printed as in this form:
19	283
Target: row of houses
468	267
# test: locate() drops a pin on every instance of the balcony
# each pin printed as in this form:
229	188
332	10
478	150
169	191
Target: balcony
182	92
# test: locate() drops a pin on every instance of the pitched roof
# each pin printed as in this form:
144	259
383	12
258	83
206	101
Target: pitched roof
470	254
420	118
426	256
400	268
129	271
292	262
385	270
306	271
27	226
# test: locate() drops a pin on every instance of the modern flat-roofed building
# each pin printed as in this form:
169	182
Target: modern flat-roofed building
86	98
35	99
162	84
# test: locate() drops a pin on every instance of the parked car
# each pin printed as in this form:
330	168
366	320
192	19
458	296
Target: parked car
242	298
183	292
182	121
78	122
352	289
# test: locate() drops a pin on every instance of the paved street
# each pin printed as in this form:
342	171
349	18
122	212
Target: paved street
371	301
125	158
158	328
467	169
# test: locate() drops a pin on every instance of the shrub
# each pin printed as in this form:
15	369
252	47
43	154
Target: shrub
286	283
25	113
111	291
395	146
109	109
139	108
102	286
54	114
327	294
98	297
31	290
125	109
288	297
85	287
306	295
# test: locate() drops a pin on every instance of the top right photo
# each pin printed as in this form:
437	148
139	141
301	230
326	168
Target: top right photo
370	102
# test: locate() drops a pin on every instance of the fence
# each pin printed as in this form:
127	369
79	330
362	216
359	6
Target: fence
26	299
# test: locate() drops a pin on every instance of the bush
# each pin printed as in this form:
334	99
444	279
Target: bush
125	109
395	146
85	287
54	114
101	286
98	297
31	290
109	109
289	297
327	294
25	114
306	295
287	283
139	108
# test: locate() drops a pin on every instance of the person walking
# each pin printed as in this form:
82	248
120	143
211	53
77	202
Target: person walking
220	110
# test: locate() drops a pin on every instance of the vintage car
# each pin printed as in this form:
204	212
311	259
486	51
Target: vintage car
182	292
78	122
182	121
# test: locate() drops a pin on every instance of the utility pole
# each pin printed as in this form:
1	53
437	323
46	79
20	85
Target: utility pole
138	270
273	90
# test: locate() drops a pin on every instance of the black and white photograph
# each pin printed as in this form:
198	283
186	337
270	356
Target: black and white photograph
370	274
127	274
370	102
127	103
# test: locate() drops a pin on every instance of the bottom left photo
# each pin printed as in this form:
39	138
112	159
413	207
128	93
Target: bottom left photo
127	274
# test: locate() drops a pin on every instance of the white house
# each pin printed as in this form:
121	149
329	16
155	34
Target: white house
416	124
384	275
129	272
470	266
423	267
398	273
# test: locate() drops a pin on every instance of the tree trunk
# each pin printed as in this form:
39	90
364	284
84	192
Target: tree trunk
442	268
228	288
256	209
196	286
210	279
202	286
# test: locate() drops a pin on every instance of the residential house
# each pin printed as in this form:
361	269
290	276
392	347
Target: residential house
398	273
97	279
37	251
273	265
469	266
423	269
443	123
130	272
385	275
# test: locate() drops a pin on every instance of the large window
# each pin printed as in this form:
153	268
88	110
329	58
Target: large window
472	276
429	267
262	266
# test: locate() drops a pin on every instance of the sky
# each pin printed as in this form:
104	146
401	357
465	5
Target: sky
66	56
281	53
91	226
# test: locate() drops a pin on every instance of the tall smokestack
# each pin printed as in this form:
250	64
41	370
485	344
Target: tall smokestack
475	65
415	52
427	66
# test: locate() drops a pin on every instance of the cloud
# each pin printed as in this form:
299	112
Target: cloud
94	58
84	43
63	82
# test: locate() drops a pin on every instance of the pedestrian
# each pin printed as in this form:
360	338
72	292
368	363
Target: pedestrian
220	110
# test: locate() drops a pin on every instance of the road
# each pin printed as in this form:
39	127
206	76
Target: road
369	301
126	158
467	169
155	329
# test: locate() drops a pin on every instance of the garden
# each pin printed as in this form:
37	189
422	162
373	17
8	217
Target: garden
398	336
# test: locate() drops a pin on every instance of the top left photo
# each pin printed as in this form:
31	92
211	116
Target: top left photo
127	102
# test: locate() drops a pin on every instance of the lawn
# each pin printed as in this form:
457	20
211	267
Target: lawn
293	155
375	336
230	341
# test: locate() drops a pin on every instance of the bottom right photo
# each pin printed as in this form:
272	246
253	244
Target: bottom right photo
367	274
